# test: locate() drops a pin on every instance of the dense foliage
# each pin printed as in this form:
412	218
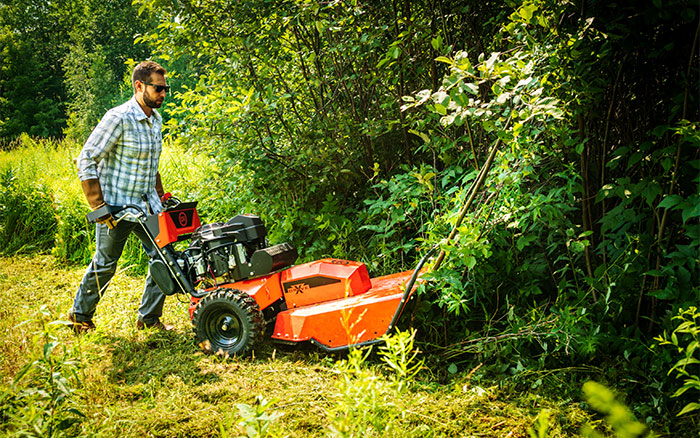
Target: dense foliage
358	129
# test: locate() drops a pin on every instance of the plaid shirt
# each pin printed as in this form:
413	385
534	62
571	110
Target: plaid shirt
123	152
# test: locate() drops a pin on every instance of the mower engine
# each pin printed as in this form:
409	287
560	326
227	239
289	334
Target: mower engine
219	252
232	251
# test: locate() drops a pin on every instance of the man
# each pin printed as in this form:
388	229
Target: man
119	165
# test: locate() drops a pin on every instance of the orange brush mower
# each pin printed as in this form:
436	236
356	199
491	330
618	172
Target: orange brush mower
240	286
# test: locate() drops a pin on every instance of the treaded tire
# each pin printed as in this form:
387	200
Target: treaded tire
228	322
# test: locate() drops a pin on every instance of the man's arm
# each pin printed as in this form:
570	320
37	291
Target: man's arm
93	193
96	148
98	145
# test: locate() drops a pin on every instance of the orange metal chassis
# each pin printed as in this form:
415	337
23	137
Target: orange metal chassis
332	303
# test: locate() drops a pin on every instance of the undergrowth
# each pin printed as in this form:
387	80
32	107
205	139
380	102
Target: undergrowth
537	351
40	398
118	381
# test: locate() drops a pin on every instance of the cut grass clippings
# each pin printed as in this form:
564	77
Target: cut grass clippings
148	383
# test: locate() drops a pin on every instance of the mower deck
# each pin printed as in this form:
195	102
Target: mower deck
346	321
331	303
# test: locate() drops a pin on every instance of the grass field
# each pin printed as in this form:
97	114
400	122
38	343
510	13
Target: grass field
131	383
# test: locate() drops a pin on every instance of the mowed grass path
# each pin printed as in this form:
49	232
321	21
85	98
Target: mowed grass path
147	383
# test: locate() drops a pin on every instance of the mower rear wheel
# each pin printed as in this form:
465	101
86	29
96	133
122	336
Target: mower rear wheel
228	322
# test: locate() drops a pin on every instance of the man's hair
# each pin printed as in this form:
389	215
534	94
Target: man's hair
144	70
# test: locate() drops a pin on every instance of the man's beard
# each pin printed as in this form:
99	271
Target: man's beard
150	102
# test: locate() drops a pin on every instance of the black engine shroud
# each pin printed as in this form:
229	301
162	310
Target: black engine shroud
234	250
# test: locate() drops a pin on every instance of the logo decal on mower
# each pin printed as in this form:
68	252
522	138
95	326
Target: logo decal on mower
298	288
301	286
182	218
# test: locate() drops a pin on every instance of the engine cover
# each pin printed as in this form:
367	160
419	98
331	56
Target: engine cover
235	250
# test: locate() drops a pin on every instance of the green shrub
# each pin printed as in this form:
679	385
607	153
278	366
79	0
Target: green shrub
686	338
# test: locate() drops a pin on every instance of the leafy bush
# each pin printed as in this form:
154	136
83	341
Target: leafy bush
519	246
686	338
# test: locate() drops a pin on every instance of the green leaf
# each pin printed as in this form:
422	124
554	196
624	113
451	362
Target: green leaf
577	247
670	201
686	361
666	163
651	192
690	210
527	11
690	407
660	130
524	241
470	261
471	88
664	294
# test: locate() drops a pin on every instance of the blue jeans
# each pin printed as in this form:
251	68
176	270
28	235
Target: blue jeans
109	246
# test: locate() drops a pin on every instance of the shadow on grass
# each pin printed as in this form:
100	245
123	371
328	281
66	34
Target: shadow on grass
142	356
145	356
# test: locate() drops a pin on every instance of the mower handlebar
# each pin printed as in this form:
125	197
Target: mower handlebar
110	210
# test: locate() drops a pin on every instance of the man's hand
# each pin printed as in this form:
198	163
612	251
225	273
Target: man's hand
93	194
108	220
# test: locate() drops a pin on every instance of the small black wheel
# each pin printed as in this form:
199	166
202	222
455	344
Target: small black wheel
228	322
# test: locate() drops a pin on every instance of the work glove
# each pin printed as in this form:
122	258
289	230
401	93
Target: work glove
93	194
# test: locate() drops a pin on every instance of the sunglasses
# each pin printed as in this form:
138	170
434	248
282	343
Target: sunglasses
158	88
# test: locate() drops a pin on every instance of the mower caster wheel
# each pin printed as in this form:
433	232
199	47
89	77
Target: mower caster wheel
228	322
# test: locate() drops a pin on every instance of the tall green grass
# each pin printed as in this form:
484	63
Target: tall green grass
26	216
40	187
42	207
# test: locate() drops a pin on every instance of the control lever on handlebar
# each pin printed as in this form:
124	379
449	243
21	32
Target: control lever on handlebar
169	201
144	197
103	215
